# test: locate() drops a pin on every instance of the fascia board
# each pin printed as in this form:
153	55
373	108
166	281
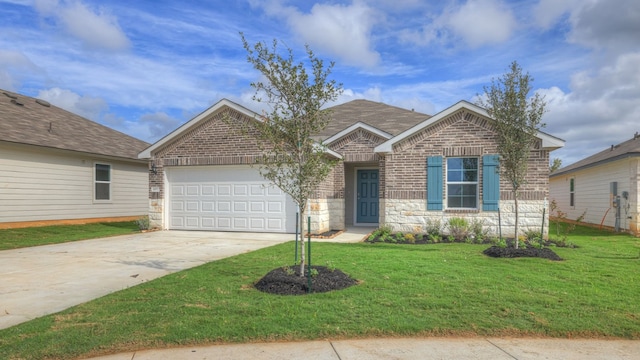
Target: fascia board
387	146
146	154
548	142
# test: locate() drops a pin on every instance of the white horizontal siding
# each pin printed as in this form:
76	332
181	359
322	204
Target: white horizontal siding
592	192
38	184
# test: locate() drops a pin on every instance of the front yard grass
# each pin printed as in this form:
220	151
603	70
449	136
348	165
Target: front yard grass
405	290
46	235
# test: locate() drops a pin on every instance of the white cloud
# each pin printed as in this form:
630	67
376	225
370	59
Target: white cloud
547	12
481	22
85	106
158	124
475	23
601	109
341	30
96	30
13	60
608	24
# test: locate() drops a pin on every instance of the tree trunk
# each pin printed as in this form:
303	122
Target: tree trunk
515	198
302	255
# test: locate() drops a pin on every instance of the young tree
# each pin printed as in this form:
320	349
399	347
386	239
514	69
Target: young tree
518	120
291	159
555	165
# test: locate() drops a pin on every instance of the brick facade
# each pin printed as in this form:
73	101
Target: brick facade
402	172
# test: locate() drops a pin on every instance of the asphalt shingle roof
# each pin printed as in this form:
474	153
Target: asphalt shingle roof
387	118
27	120
615	152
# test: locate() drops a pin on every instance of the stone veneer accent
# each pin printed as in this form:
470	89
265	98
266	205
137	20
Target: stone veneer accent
326	214
412	216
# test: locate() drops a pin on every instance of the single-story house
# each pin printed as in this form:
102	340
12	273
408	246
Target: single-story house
397	167
605	187
60	168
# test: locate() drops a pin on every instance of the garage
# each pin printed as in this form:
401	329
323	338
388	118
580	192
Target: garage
226	198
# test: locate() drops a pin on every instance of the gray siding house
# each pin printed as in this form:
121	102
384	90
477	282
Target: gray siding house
59	168
605	187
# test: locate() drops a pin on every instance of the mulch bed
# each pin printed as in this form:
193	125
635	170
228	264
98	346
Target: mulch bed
512	252
287	281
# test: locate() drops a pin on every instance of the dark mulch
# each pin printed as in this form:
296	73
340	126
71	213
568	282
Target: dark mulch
282	281
511	252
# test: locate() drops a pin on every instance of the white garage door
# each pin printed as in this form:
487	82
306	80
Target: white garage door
226	198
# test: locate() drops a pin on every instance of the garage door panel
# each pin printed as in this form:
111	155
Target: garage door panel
208	223
192	206
257	206
224	190
227	198
240	206
208	206
193	190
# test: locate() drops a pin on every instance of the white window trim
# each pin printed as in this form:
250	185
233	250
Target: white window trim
446	183
95	181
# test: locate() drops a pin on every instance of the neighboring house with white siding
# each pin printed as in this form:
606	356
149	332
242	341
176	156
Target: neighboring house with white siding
57	167
605	187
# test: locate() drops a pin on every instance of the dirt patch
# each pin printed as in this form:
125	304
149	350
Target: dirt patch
512	252
287	280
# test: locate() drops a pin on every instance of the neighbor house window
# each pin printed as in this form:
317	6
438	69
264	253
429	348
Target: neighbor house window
571	192
102	190
462	183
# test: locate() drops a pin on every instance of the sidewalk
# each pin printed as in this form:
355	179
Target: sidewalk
403	348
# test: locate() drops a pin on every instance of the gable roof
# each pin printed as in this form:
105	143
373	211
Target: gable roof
389	119
623	150
548	142
146	154
26	120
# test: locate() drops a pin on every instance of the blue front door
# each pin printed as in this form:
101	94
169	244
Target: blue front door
367	196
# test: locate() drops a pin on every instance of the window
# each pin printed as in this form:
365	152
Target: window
571	192
462	183
102	182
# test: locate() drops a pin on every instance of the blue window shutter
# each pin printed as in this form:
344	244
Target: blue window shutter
434	183
490	182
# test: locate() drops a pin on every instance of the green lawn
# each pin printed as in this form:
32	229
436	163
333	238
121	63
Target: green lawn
405	290
45	235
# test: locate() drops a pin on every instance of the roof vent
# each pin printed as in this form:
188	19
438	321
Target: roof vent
636	135
43	102
17	102
10	95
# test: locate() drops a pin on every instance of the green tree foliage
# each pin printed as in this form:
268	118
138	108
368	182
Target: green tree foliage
555	165
518	120
295	93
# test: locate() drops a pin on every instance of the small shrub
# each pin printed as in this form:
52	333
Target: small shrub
458	229
313	273
289	271
399	237
410	238
433	227
383	233
143	223
478	231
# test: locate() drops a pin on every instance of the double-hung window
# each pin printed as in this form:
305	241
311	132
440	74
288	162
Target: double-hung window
572	197
102	180
462	183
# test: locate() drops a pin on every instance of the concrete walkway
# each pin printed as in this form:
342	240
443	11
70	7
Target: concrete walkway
42	280
403	349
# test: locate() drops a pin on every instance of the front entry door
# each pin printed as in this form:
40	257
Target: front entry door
367	196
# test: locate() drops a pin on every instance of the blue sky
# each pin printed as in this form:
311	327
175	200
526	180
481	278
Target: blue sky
146	67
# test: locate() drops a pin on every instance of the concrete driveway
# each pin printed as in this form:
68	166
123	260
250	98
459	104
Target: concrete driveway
43	280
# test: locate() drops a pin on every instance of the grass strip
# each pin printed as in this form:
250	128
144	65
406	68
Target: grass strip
47	235
404	290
